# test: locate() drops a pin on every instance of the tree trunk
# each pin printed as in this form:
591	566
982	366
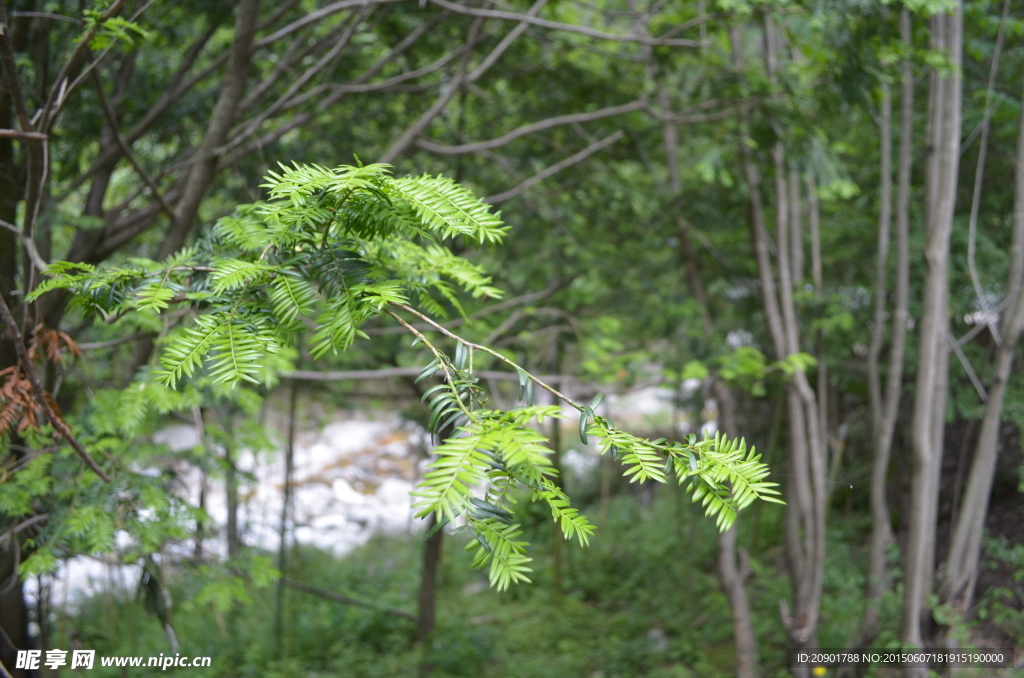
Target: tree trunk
731	572
231	487
961	571
806	491
733	567
796	236
286	501
13	611
224	113
885	405
197	182
428	595
933	362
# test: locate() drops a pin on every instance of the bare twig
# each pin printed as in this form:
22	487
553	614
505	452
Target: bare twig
478	347
505	43
59	91
24	525
413	131
393	372
47	15
317	16
538	126
110	343
346	600
569	28
20	134
28	243
40	397
108	110
978	386
283	100
979	174
172	92
554	169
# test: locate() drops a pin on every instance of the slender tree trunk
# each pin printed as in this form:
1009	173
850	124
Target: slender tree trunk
558	538
286	501
428	595
733	565
231	487
13	611
731	571
224	114
806	434
198	179
933	361
806	495
885	406
961	571
796	236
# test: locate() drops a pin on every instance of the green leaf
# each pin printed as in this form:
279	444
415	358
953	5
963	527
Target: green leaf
430	370
694	370
449	209
438	525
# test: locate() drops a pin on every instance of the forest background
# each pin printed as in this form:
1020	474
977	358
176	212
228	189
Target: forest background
816	209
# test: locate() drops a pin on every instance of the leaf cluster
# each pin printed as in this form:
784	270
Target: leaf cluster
327	251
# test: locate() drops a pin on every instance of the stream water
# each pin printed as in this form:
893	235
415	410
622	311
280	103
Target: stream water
352	478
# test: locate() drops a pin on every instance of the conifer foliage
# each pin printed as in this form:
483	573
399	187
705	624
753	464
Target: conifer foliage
329	250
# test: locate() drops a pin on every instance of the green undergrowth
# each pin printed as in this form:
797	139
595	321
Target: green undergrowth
643	600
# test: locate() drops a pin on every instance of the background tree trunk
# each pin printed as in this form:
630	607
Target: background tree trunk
286	501
885	405
428	595
731	571
961	572
13	612
933	362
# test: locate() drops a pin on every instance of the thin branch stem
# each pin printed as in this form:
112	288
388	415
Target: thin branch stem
20	134
573	159
37	391
570	28
29	245
979	174
451	335
108	110
475	147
